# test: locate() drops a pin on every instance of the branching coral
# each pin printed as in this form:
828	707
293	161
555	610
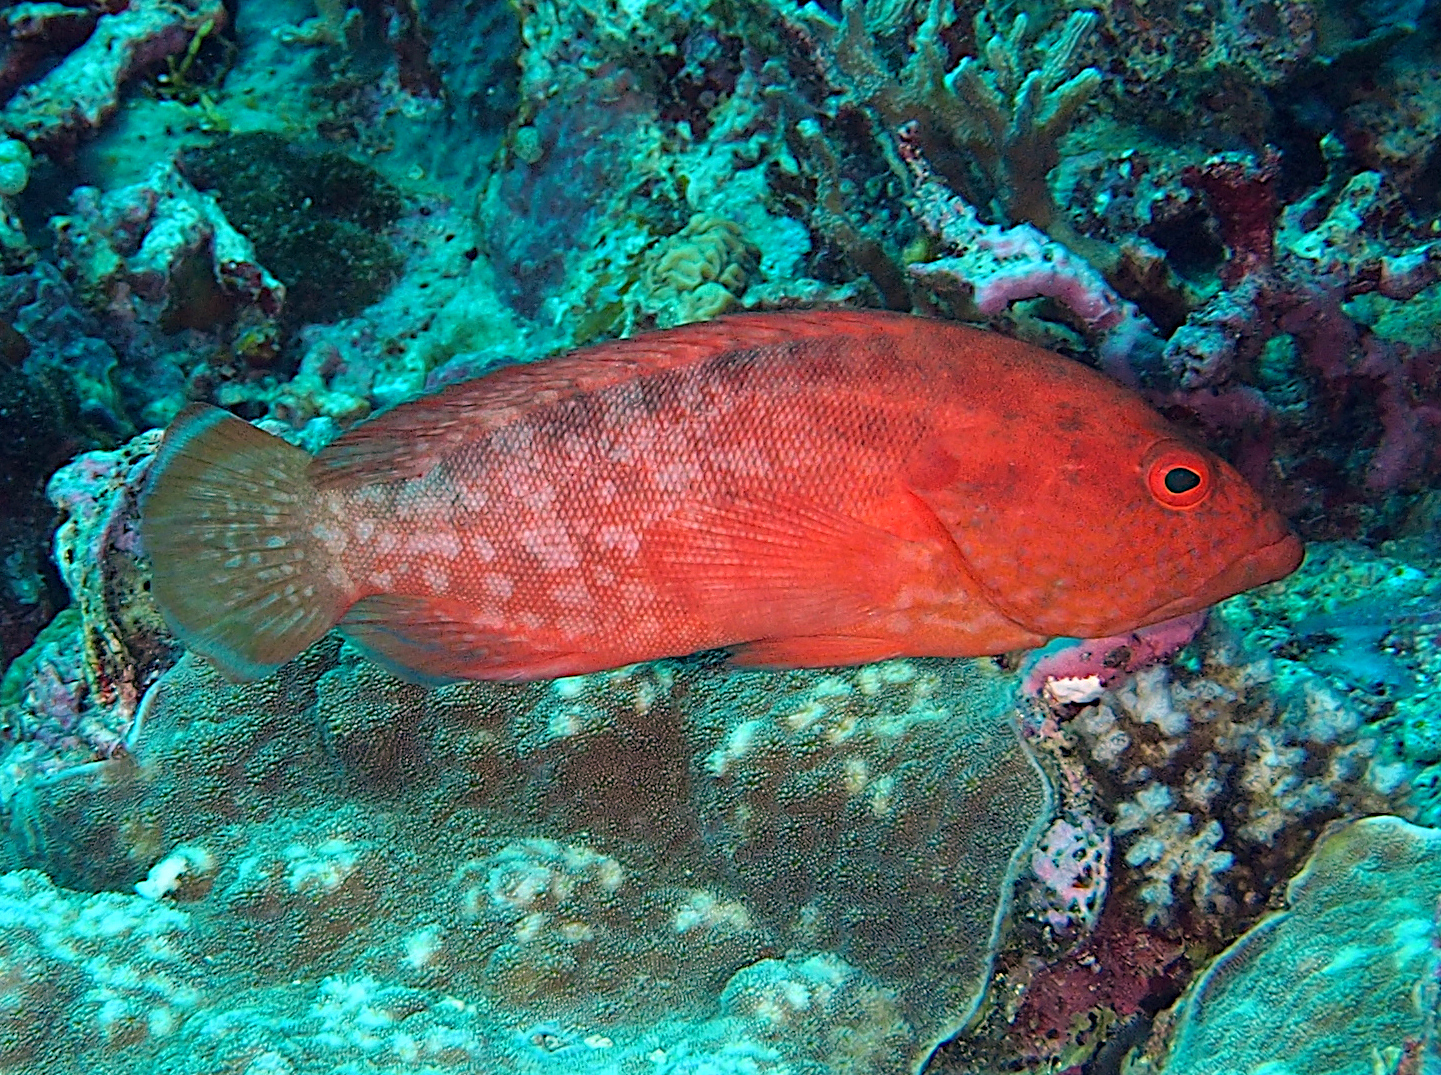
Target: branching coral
1002	111
1009	116
991	268
1171	853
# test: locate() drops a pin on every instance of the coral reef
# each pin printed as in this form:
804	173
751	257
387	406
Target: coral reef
59	955
74	698
987	269
33	440
699	272
310	210
79	93
1003	111
1343	980
1223	768
160	253
316	219
1192	793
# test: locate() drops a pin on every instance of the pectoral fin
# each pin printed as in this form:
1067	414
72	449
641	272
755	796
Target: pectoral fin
768	568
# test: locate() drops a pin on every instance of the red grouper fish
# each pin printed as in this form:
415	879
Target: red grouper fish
805	488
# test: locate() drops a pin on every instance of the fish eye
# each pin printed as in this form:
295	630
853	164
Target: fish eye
1178	476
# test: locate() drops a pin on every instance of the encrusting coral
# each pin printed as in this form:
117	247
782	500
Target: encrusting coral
699	272
1344	979
77	94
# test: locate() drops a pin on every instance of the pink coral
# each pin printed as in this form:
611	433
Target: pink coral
1078	670
1000	266
1071	860
1320	262
1119	971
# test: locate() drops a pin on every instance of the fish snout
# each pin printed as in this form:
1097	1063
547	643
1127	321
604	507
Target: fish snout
1279	553
1275	559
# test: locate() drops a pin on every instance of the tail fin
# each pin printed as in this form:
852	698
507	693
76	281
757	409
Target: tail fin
226	518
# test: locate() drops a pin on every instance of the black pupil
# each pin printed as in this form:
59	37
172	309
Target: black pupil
1181	480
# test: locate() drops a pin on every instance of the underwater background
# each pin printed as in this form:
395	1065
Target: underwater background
1103	858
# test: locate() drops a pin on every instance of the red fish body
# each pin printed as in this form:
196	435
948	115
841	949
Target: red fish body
810	488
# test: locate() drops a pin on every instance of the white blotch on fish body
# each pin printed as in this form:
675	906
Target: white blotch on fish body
551	545
572	593
576	449
676	476
634	595
436	578
473	497
440	543
540	500
492	619
498	585
482	548
620	539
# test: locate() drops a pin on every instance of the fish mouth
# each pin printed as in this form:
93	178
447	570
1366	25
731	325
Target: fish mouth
1258	567
1263	565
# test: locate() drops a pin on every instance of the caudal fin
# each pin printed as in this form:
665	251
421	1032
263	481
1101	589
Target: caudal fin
226	518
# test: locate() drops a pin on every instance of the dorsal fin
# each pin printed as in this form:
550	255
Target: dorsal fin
406	442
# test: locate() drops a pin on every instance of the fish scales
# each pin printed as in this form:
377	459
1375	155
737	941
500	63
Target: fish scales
567	496
803	488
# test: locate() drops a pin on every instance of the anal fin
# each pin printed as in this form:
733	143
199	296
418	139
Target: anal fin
814	651
433	641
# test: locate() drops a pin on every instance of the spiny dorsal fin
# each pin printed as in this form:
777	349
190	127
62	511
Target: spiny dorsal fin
408	441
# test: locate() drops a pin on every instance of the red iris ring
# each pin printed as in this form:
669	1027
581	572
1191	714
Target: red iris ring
1169	457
